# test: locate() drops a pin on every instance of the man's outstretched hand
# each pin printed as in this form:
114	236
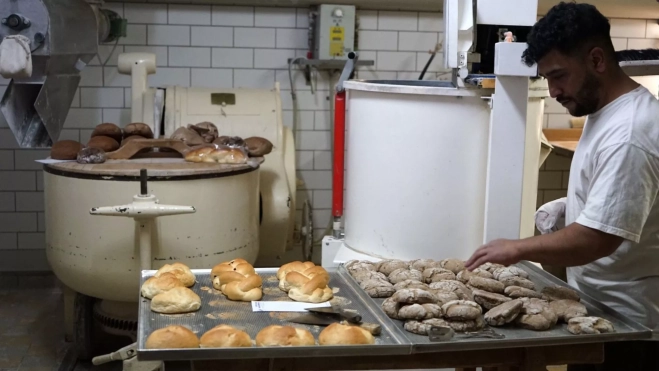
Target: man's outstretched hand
498	251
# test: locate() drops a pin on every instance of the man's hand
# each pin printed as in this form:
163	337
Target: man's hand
497	251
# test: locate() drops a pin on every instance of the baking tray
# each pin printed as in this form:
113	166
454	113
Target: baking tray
217	309
626	329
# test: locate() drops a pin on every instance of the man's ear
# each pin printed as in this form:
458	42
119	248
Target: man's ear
597	59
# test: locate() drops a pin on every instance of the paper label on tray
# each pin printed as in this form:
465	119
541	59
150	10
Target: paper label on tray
285	306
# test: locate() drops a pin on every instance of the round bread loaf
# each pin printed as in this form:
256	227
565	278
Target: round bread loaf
107	144
180	270
275	335
91	156
176	300
338	334
108	130
138	128
156	285
65	150
172	337
224	336
257	146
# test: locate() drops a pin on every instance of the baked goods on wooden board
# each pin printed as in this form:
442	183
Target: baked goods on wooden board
426	293
200	143
237	280
305	282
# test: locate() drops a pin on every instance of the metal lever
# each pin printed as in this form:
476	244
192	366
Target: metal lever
348	68
144	209
124	353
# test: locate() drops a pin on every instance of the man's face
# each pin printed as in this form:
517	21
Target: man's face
571	82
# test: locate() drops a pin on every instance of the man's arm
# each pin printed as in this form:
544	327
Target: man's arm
571	246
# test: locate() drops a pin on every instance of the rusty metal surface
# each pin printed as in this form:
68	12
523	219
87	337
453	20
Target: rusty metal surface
216	309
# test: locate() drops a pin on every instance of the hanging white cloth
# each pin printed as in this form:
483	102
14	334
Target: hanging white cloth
15	57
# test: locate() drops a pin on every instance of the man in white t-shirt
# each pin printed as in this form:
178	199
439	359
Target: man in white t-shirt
611	240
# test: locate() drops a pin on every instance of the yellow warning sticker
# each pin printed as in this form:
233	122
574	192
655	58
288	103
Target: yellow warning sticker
337	37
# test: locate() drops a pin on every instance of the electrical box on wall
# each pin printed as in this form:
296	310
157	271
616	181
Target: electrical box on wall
334	32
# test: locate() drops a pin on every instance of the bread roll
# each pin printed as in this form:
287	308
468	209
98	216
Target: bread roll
257	146
138	128
176	300
207	130
156	285
172	337
91	156
65	150
188	136
224	336
275	335
180	270
108	130
107	144
338	334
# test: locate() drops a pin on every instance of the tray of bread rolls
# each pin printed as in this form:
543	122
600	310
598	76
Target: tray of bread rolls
441	306
194	314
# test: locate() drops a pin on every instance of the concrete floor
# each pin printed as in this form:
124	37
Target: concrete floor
32	328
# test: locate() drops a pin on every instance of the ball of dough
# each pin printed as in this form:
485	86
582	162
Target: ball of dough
65	150
536	315
338	334
402	274
172	337
180	270
521	292
176	300
567	309
411	284
437	274
413	296
589	325
423	327
489	300
423	264
107	144
378	288
224	336
486	284
108	130
138	128
156	285
559	292
275	335
454	265
257	146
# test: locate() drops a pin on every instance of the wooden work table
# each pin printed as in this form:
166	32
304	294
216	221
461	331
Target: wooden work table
564	140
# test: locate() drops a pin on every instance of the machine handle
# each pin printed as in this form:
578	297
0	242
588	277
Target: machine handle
143	188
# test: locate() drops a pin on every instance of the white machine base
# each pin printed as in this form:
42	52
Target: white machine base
335	252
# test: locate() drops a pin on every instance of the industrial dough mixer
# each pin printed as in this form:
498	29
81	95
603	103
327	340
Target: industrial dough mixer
241	210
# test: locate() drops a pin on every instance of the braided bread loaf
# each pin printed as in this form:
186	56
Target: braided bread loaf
298	279
296	266
238	280
314	291
218	154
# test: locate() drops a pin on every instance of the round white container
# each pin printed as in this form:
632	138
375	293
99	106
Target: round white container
98	255
416	165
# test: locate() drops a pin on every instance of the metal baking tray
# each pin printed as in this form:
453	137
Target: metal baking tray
626	329
216	309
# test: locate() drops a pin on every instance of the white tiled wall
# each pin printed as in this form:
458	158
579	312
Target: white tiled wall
235	46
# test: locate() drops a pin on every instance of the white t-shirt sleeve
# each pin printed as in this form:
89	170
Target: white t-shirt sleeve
622	191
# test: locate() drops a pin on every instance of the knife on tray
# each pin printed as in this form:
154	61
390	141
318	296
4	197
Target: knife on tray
327	316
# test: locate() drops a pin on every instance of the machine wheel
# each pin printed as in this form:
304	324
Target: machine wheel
83	335
306	231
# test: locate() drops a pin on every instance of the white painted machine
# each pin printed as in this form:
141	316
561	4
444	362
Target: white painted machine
435	169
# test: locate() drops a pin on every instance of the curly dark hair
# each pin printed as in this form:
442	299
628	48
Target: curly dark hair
568	28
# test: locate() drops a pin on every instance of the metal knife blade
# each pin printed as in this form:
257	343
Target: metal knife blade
348	315
323	320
